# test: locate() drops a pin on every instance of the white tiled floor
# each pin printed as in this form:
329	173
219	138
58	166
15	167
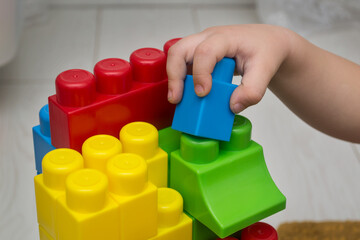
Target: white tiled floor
318	174
124	30
66	40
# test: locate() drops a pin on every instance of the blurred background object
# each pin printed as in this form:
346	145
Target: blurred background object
14	14
10	19
308	16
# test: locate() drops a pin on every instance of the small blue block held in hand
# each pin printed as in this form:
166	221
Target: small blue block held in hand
208	116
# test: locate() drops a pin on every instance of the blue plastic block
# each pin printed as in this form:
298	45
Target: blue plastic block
41	138
208	116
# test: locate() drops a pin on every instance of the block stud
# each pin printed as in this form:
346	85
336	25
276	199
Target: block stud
86	190
198	150
44	120
140	138
170	207
113	76
169	43
148	65
58	164
240	135
98	149
127	174
75	88
259	231
228	238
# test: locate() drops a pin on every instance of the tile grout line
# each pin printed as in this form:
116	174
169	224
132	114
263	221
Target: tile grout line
355	151
99	15
151	5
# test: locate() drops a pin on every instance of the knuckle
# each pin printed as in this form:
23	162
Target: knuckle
201	77
173	51
204	49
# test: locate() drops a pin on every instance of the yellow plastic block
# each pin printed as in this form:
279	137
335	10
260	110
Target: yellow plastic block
172	222
49	185
86	211
136	196
44	235
98	149
143	139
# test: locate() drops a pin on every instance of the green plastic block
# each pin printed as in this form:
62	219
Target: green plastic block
169	139
200	231
225	185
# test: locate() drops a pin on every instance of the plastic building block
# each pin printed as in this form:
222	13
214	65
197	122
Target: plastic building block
120	92
208	116
225	185
172	222
98	149
50	185
259	231
169	140
200	231
228	238
136	196
41	138
86	211
83	203
169	43
44	235
142	138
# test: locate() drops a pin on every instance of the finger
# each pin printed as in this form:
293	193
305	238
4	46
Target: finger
253	85
179	56
206	55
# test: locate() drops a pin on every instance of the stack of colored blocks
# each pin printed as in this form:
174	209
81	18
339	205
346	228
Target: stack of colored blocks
106	193
99	184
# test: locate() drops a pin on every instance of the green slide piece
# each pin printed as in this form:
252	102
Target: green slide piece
225	185
200	231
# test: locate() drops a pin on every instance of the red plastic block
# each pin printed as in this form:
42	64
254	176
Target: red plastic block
227	238
169	43
259	231
120	92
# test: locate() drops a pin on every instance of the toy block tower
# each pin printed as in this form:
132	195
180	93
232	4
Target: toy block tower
108	177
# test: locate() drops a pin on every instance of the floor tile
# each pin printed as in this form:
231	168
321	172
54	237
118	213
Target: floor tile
147	2
64	41
124	30
19	107
209	17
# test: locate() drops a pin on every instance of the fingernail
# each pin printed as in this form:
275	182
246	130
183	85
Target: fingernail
170	95
199	89
237	108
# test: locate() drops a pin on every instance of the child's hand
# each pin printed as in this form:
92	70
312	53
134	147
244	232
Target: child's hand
259	51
